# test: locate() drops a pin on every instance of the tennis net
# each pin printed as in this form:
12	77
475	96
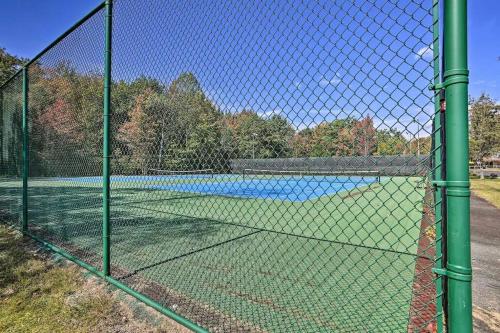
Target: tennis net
204	173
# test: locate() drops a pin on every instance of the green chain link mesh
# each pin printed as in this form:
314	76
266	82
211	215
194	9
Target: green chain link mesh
65	142
271	161
11	152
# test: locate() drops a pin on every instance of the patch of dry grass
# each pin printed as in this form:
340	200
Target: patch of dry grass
40	294
488	189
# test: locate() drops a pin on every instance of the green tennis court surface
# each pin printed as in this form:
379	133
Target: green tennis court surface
341	261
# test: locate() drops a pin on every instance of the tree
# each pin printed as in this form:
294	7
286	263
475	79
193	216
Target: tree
390	142
332	138
193	126
66	120
364	136
277	134
246	128
140	132
174	128
420	146
253	136
484	116
301	143
9	65
341	137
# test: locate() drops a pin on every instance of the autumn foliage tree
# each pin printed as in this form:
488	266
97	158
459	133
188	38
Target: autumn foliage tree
175	128
254	136
390	142
139	134
66	120
340	137
365	136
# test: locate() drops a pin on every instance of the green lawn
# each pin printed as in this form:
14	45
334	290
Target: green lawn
344	261
488	189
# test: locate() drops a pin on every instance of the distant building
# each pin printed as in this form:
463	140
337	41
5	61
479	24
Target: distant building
493	161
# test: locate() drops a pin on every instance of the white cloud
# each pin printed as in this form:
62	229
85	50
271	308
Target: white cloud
425	53
485	83
329	81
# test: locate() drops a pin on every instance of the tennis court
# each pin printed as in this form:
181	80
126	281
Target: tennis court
295	188
252	167
264	258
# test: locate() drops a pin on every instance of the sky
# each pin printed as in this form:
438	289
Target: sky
269	59
484	48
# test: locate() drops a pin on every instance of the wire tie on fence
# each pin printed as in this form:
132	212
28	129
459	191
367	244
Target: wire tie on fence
437	86
451	77
455	188
439	183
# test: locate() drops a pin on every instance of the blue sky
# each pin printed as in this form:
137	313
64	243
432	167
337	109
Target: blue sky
484	48
235	57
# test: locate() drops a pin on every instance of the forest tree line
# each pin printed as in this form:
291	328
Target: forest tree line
177	127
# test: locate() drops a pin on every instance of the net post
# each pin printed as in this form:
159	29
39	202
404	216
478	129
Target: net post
25	150
106	253
458	267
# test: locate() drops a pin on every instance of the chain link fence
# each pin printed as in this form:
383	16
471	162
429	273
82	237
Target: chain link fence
270	163
65	141
11	136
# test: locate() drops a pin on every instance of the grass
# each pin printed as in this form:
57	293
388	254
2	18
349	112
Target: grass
339	262
40	294
488	189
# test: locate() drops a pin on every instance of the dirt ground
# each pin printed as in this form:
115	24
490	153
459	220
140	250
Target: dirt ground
485	243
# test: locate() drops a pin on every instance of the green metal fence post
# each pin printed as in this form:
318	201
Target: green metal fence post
106	151
25	150
458	268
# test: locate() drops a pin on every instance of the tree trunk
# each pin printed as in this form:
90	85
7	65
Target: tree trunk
160	154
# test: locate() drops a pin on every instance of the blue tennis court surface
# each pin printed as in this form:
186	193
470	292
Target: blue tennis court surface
286	189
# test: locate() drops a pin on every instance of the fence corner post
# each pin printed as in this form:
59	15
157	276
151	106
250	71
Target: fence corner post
25	150
458	266
106	262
